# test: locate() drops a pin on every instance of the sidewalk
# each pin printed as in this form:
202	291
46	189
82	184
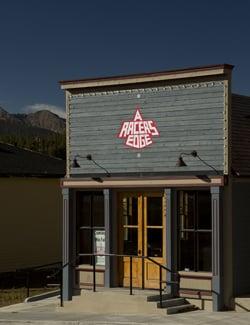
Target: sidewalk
49	312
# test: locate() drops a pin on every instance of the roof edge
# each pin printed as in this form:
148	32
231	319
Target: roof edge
241	95
147	77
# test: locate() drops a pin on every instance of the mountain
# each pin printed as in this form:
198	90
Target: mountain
45	120
40	123
42	131
4	114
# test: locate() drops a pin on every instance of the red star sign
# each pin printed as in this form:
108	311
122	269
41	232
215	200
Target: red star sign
138	132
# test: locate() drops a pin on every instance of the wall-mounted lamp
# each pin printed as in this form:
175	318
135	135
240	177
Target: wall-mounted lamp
235	172
181	162
75	164
97	179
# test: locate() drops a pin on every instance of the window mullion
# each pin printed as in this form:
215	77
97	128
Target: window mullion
91	225
196	232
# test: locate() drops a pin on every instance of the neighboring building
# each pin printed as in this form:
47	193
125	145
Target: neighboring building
175	146
31	208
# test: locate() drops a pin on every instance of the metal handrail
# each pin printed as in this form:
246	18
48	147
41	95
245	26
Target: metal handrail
28	272
133	256
159	264
72	262
60	270
38	267
131	270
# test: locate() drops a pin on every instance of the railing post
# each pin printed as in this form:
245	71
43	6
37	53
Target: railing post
28	283
130	278
94	284
143	272
178	283
160	285
61	286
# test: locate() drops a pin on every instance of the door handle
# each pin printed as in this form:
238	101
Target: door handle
139	252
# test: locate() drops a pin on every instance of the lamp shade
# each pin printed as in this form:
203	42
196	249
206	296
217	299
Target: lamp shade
75	163
180	162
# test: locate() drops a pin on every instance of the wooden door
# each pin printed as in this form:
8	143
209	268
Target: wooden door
131	237
142	232
154	237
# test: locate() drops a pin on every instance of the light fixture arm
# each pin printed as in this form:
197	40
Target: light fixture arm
194	154
89	157
107	172
204	162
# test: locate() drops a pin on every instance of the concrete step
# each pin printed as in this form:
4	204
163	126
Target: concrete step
116	302
180	309
156	298
172	302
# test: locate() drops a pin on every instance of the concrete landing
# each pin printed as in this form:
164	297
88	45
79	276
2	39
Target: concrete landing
48	312
242	304
114	301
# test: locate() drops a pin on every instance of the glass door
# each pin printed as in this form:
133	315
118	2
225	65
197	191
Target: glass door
131	207
142	234
154	237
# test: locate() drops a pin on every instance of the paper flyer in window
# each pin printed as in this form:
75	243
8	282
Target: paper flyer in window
100	246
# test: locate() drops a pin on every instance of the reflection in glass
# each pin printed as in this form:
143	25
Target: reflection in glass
154	211
204	210
85	245
154	242
98	210
84	209
130	241
187	262
130	211
205	251
187	210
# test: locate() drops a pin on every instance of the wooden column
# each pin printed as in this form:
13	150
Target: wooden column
217	280
171	240
66	251
108	237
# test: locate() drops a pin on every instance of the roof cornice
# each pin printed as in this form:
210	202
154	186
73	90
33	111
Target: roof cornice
203	71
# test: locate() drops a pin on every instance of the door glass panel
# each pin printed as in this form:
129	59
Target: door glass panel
154	211
130	241
154	242
130	211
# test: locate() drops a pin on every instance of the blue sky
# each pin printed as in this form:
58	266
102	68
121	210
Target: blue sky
43	42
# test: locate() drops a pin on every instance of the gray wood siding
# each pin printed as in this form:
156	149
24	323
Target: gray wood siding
241	134
188	117
241	238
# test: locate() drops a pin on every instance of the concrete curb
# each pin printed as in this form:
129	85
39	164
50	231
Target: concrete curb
76	322
44	322
48	322
43	296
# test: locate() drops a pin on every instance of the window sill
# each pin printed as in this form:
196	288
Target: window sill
207	275
88	267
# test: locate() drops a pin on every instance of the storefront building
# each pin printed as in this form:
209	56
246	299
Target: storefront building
157	166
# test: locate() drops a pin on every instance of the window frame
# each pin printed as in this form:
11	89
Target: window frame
91	227
195	230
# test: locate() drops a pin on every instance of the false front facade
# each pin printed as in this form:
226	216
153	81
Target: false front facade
152	175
